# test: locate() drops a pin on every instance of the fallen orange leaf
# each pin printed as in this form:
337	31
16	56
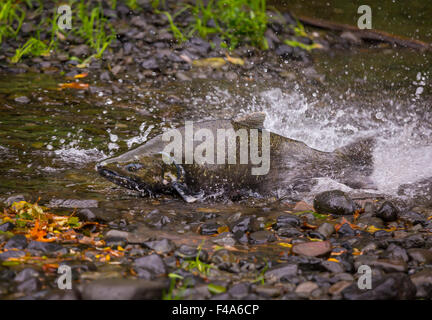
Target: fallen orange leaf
81	75
73	85
345	221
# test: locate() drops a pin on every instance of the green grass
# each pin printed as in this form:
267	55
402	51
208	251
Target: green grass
93	28
260	278
10	14
235	21
88	23
174	278
33	47
197	264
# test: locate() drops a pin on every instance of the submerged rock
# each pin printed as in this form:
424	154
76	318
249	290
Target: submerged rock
335	202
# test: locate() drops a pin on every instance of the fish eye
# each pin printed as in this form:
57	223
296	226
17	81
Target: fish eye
132	167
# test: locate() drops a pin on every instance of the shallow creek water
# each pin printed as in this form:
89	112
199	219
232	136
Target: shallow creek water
49	146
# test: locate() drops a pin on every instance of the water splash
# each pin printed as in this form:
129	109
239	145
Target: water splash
76	155
403	150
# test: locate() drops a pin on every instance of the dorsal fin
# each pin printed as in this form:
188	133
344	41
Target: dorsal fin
253	120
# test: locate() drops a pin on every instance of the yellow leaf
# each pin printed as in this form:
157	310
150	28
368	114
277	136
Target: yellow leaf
372	229
232	60
284	244
209	62
81	75
333	259
223	229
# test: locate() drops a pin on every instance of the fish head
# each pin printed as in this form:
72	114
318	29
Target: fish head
147	174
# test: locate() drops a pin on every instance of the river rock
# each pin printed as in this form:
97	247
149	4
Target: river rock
7	226
123	289
281	272
152	263
45	247
244	224
25	274
312	249
304	289
387	212
287	220
395	286
261	237
239	290
326	229
423	282
420	255
188	252
161	246
334	202
18	241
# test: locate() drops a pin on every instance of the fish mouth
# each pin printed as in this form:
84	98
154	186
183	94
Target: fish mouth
123	181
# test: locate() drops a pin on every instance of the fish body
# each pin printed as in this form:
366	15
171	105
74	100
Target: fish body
266	164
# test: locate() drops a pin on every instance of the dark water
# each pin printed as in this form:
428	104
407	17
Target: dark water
406	18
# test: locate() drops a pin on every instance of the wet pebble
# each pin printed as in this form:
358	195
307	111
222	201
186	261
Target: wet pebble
305	289
412	217
420	255
26	274
239	290
289	232
7	226
326	229
16	242
244	224
11	254
29	285
387	212
123	289
224	239
423	283
22	99
312	249
188	252
281	272
335	202
287	220
396	286
209	228
161	246
333	267
152	263
261	237
44	247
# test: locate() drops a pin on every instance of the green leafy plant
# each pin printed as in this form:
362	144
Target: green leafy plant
261	277
10	13
33	47
93	27
235	21
174	278
197	264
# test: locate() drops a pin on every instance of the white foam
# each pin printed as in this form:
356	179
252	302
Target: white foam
403	153
79	156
